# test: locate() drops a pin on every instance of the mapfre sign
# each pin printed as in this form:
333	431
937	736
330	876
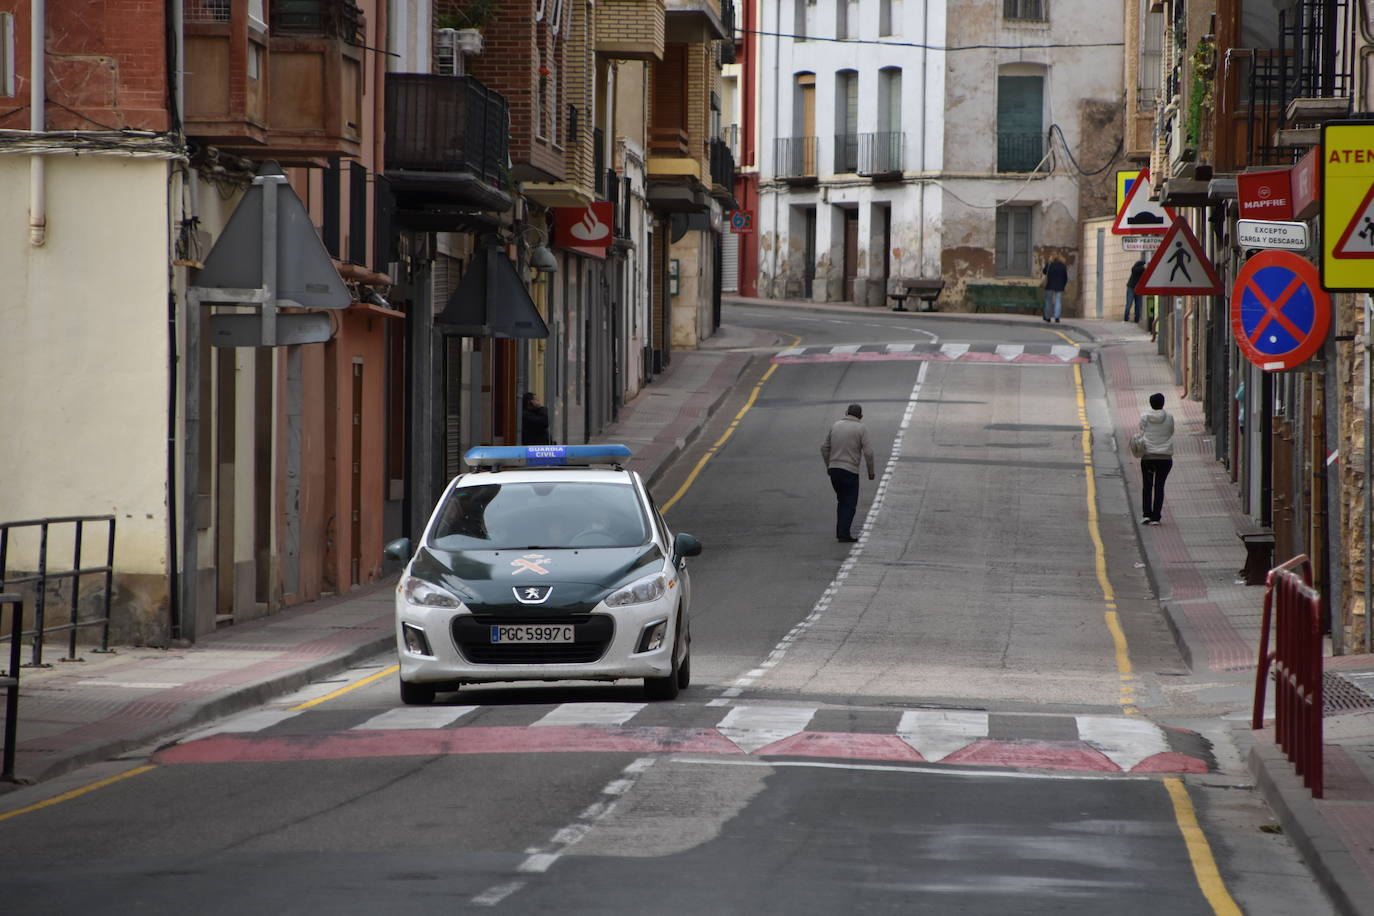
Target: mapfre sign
1265	195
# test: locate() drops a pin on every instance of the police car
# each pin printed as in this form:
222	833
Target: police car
544	562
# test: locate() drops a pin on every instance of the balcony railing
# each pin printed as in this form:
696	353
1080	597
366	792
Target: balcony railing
722	164
341	19
446	124
730	134
1019	152
881	153
846	153
795	157
599	161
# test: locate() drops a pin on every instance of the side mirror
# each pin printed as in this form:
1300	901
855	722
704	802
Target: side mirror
684	545
398	549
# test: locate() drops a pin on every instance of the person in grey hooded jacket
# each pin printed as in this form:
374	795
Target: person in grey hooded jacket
1157	427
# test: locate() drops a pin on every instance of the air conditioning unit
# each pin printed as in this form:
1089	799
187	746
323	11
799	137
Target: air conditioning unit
448	60
451	46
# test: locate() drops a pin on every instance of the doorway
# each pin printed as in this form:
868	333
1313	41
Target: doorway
851	252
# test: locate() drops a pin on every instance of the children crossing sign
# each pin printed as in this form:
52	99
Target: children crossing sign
1347	208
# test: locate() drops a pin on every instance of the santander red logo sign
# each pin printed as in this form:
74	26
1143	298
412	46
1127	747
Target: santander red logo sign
585	229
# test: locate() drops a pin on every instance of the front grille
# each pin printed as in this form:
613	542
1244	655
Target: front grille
592	634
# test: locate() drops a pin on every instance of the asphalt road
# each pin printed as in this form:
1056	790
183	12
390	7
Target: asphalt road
976	624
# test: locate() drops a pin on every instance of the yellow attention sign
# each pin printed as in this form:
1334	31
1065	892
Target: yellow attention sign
1123	186
1347	214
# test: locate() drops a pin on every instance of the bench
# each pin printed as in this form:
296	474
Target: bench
1006	297
1259	555
924	289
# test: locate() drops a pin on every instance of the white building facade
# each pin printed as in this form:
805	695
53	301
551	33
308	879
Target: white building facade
904	139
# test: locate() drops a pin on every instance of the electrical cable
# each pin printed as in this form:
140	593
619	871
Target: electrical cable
930	47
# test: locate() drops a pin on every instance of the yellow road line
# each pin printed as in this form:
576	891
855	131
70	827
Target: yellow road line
343	690
1199	852
1126	694
67	796
730	431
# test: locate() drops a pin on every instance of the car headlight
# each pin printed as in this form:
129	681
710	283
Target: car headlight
650	588
427	594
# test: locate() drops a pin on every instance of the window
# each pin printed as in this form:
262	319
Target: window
1013	241
1020	121
1029	10
799	20
1150	59
847	121
6	54
846	19
884	17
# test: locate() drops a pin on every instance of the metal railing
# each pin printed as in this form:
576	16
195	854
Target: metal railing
722	164
1019	152
446	124
1293	606
846	153
341	19
881	153
40	578
10	681
206	10
795	157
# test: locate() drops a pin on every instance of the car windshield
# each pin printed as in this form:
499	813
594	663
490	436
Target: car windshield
553	514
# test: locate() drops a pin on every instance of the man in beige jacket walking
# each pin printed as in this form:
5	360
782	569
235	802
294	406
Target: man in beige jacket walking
845	445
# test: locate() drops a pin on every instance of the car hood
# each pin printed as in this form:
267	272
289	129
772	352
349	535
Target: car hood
485	580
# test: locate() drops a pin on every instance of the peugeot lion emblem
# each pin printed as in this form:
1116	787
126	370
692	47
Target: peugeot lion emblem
532	594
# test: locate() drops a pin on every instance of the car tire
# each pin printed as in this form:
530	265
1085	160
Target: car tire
684	672
417	694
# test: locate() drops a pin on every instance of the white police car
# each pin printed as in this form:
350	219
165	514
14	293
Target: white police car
544	562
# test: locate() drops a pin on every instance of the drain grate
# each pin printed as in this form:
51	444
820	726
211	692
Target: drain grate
1339	695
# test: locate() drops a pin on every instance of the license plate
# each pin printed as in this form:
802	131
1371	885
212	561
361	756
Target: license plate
533	632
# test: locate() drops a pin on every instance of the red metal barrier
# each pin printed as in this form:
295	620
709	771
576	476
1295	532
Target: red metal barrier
1293	606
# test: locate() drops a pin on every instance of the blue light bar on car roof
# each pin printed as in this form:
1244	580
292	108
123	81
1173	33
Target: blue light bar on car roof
519	456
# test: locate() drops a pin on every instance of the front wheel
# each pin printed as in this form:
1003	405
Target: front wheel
667	688
417	694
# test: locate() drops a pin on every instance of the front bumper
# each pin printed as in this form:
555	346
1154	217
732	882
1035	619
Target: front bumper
623	629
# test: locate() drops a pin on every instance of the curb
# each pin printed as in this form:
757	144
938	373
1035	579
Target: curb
1326	856
233	701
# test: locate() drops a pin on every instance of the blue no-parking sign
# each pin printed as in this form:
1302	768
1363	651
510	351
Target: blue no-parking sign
1279	312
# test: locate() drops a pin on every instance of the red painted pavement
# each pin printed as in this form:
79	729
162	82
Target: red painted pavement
856	746
1039	754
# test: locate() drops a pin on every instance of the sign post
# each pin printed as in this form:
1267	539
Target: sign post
1279	312
1347	206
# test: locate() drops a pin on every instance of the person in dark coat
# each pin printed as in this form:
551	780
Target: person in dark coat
1056	279
1133	297
534	421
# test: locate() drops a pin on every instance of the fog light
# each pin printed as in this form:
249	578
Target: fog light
415	639
653	636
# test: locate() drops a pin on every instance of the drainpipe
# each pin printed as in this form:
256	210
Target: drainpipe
38	90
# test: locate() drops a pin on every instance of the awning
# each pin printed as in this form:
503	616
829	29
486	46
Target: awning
491	301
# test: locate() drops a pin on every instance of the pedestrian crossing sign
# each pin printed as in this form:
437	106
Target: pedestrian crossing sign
1179	267
1138	215
1347	205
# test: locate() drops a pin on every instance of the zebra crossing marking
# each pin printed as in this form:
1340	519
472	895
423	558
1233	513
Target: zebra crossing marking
591	714
409	717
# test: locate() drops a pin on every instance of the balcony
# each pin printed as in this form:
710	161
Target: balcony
630	29
693	21
722	171
880	154
795	159
290	88
447	142
1019	152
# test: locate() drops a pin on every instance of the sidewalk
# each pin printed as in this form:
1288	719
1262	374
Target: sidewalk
74	714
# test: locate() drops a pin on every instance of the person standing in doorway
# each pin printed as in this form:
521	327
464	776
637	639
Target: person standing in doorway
534	421
1056	279
1157	428
844	447
1134	298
